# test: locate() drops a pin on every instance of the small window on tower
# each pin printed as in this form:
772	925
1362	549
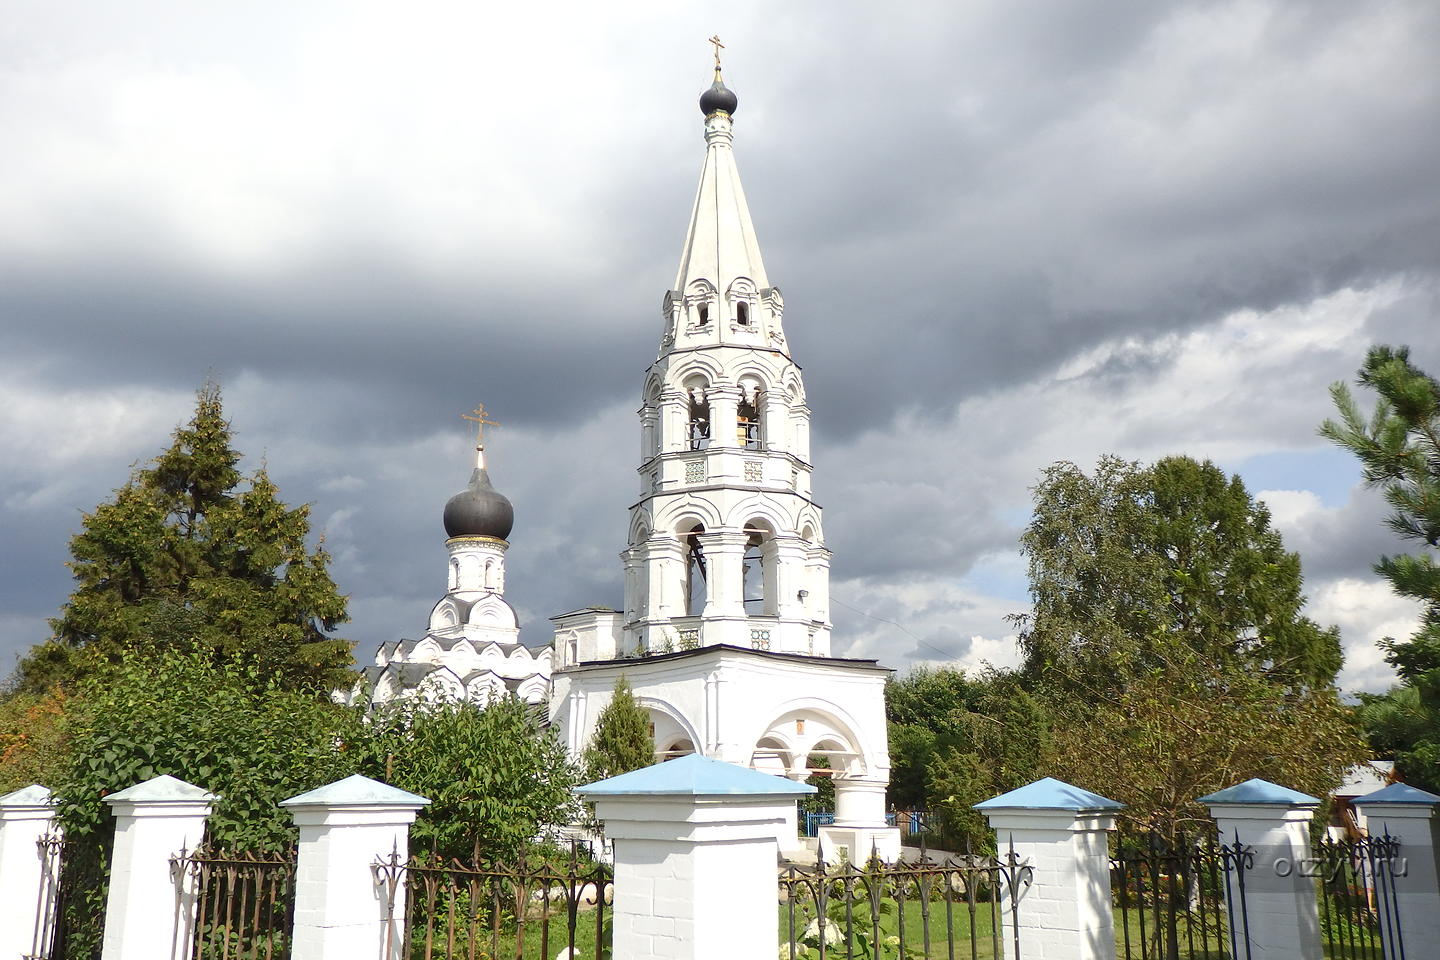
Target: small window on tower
704	313
742	313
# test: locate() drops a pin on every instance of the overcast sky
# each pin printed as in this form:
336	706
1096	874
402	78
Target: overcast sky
1008	233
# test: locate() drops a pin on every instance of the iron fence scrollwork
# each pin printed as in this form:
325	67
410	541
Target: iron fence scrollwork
1174	895
47	906
532	908
903	910
244	902
1359	912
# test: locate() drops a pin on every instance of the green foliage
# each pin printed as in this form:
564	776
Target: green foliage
495	777
1177	732
191	555
1134	567
957	740
1399	447
221	727
848	931
622	741
823	799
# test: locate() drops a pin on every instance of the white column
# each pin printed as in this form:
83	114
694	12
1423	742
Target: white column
1280	910
776	418
346	827
674	416
724	415
724	584
789	554
1408	815
1059	831
149	915
28	876
859	830
665	567
695	856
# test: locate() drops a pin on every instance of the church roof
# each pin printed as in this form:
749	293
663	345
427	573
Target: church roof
726	649
720	244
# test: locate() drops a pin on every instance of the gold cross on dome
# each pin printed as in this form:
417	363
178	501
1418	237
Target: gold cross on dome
481	419
718	47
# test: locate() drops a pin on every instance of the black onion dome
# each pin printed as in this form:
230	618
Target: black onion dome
479	510
718	98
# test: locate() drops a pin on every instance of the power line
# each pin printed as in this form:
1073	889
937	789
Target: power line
930	646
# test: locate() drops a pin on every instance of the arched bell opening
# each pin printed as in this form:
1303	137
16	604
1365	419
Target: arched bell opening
748	433
697	430
758	572
696	574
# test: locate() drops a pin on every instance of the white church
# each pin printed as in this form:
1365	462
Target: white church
725	632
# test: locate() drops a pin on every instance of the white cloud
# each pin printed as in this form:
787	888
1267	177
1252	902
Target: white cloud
1367	611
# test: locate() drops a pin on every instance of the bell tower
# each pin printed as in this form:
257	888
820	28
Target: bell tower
725	633
725	545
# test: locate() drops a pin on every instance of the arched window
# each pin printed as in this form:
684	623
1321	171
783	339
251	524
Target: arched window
747	422
703	313
694	573
698	428
742	313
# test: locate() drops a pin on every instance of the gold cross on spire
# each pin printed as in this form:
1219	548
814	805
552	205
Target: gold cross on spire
481	419
718	47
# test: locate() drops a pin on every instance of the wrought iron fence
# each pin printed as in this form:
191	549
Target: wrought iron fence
1357	879
47	906
528	910
916	910
1170	897
244	902
71	910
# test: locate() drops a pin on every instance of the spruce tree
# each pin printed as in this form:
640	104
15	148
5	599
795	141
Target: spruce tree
1399	447
622	740
192	555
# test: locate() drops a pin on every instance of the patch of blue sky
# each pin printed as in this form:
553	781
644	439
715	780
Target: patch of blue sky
1328	472
1000	575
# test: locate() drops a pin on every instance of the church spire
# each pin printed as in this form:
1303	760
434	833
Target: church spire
720	264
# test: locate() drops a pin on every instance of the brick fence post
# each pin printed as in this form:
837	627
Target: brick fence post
1409	816
1061	831
341	912
695	858
1279	912
27	876
149	914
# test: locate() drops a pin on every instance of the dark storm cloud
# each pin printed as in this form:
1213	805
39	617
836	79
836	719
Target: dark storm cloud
955	198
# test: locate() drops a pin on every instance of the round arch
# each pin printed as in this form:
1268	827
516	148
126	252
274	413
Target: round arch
678	727
763	508
681	517
831	720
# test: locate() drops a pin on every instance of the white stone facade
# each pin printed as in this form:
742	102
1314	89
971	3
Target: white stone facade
471	650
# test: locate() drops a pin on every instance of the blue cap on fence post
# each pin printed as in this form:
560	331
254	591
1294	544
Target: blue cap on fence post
1260	792
1397	793
694	775
1050	794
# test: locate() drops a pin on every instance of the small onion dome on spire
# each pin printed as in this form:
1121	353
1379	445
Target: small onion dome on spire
719	98
479	510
